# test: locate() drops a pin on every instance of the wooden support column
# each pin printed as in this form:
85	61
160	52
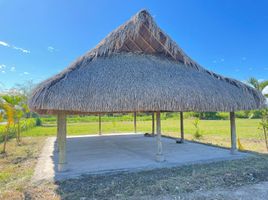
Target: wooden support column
181	139
57	140
99	124
62	141
233	133
182	127
153	131
159	154
135	122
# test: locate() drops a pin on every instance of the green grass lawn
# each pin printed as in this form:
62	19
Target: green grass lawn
213	131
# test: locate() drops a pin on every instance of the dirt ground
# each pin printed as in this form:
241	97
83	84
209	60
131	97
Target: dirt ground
239	179
257	191
249	192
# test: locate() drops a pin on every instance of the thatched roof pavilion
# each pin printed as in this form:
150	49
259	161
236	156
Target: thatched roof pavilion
139	68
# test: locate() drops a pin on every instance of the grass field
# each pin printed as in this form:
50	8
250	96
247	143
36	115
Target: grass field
17	166
213	131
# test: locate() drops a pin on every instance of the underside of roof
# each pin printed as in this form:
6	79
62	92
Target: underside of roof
138	67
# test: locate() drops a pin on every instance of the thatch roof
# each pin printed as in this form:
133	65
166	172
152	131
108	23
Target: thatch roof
138	67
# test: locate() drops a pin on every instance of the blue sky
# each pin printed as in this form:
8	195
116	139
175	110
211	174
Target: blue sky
40	38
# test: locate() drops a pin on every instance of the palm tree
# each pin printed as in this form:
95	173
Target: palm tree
19	106
259	85
6	110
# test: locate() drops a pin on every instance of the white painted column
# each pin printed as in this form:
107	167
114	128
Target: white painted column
62	141
153	131
182	127
135	122
99	124
57	140
159	154
233	133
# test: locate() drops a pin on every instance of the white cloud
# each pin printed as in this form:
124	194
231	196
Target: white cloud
26	73
2	66
12	69
4	44
51	49
21	49
14	47
3	71
218	60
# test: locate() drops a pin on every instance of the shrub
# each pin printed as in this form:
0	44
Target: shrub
25	125
38	122
197	133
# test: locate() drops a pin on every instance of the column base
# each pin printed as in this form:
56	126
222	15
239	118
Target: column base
180	141
160	158
62	167
233	151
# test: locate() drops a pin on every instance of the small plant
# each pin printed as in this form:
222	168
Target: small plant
38	122
240	146
197	133
264	126
6	109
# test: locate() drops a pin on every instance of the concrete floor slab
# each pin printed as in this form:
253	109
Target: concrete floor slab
122	152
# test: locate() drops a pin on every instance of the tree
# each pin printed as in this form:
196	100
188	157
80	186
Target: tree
18	102
6	110
259	85
264	126
25	90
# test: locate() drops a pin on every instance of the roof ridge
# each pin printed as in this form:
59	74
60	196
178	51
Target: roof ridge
140	34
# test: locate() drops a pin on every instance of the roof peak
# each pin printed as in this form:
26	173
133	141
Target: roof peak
144	12
140	34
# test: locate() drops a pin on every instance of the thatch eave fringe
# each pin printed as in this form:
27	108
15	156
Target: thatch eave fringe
126	82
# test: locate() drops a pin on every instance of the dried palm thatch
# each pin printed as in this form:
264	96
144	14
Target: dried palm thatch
138	67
